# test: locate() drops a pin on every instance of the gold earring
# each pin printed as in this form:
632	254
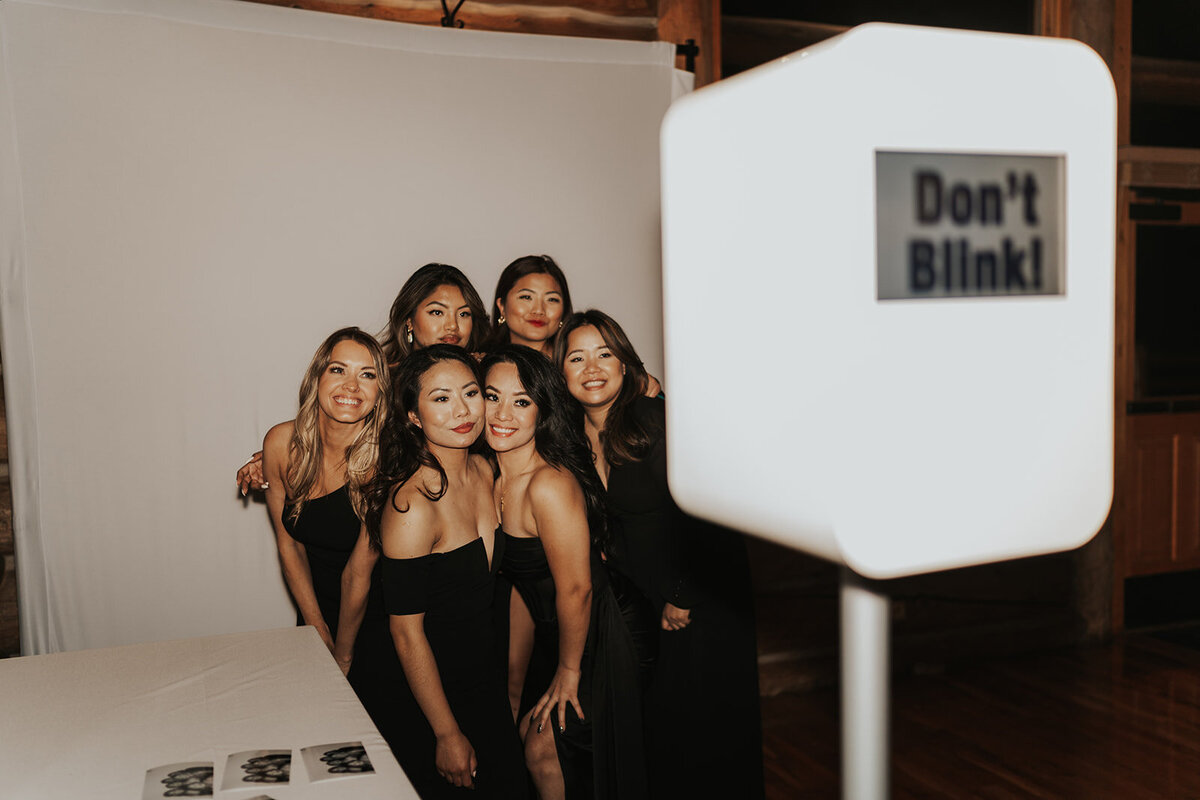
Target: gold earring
408	334
500	320
560	324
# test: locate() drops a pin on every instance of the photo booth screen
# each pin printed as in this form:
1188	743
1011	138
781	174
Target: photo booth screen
196	192
923	233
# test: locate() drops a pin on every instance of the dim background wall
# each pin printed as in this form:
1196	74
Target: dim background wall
193	194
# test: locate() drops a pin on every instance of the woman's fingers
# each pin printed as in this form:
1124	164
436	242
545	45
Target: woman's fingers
578	708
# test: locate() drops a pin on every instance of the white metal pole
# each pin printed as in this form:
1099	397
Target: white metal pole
865	711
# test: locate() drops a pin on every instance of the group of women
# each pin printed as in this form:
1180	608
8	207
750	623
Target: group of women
475	519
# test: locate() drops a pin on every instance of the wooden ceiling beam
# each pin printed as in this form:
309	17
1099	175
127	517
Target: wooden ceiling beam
749	41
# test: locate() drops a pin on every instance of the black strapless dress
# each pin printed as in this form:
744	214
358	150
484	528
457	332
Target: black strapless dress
602	756
328	528
454	591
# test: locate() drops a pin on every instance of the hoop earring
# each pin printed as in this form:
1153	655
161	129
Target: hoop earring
408	335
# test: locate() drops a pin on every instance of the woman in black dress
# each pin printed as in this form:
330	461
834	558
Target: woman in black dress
318	466
704	734
432	516
532	299
583	736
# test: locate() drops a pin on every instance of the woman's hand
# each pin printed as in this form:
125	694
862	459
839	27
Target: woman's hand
455	759
675	618
251	475
344	660
563	689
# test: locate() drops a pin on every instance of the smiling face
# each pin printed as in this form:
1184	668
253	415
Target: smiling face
511	414
594	373
533	309
449	405
348	388
443	316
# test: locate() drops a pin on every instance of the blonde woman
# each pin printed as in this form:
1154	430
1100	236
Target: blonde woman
317	467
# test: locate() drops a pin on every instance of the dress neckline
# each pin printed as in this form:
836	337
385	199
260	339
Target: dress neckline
458	549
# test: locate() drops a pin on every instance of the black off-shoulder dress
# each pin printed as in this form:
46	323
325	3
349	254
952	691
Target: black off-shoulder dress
454	591
704	732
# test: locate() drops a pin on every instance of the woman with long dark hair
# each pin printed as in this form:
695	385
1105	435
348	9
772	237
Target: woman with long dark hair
436	305
532	299
432	517
319	466
702	705
583	735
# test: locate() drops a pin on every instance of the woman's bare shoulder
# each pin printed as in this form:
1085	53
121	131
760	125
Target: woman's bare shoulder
407	528
279	435
551	485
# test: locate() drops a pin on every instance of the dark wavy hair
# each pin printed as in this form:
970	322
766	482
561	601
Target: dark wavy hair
624	438
558	435
419	286
525	265
403	449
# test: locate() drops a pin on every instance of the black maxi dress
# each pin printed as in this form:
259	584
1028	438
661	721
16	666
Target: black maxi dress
454	590
328	528
703	725
603	755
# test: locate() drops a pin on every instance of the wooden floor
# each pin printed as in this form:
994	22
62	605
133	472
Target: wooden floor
1120	721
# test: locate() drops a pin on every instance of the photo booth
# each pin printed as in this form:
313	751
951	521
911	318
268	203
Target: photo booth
888	266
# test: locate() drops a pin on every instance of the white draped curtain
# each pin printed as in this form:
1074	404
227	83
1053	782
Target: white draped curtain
194	193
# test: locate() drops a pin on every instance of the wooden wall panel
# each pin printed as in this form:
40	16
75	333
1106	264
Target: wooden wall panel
1161	521
1153	507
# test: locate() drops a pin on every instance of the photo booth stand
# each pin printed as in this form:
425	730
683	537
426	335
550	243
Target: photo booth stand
888	280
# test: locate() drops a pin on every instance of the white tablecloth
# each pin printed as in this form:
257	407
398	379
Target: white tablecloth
89	724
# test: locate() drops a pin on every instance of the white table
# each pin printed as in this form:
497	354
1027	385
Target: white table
90	723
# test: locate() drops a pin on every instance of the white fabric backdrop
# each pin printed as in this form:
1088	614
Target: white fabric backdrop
193	193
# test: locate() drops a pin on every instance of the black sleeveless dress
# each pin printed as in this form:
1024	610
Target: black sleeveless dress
602	756
328	529
704	733
454	591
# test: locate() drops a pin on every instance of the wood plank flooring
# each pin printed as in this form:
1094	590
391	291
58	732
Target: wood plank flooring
1120	721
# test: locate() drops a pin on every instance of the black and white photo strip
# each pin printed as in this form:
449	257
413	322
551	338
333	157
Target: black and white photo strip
257	768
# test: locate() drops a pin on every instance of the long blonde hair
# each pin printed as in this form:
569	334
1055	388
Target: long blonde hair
305	449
